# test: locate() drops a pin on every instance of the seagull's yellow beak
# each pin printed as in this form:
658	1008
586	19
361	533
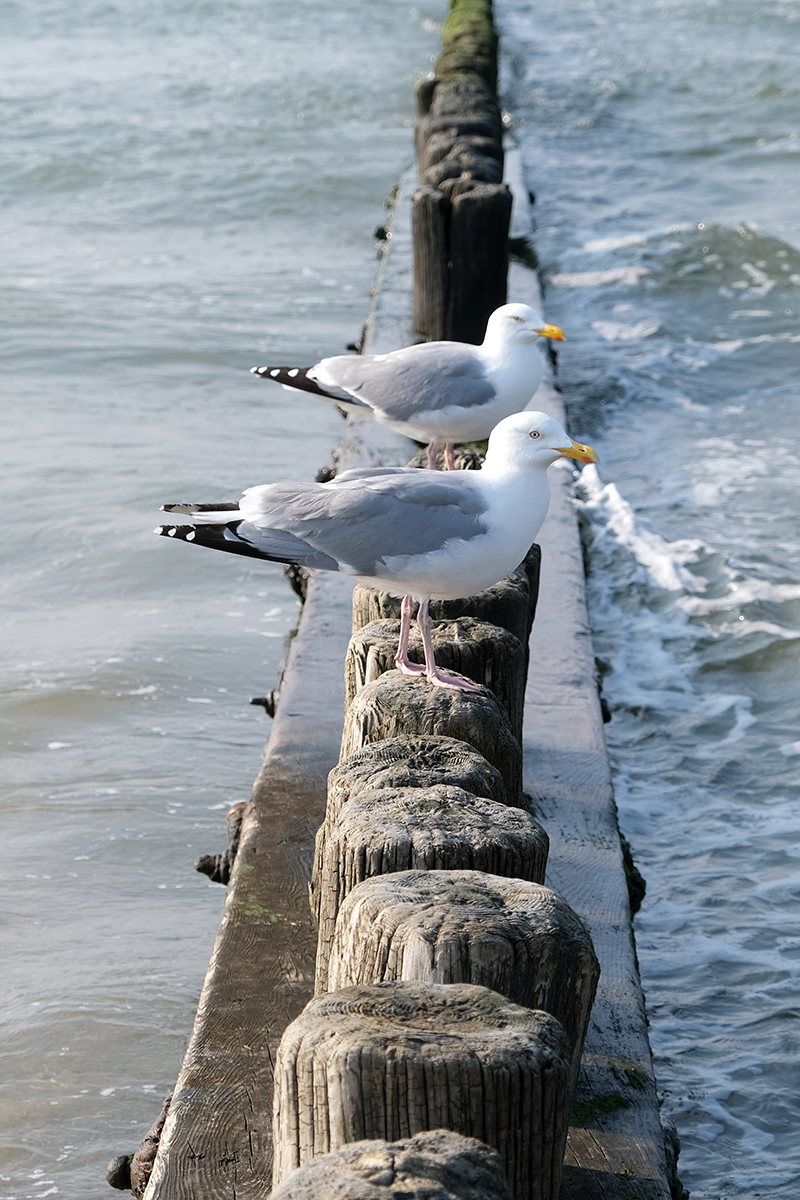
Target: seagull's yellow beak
552	331
577	450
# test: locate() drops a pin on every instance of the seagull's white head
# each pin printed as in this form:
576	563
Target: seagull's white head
518	323
534	439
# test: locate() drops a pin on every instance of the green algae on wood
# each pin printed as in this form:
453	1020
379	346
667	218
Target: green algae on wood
469	42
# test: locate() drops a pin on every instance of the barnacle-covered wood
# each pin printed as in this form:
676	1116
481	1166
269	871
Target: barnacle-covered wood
439	828
518	938
435	1165
396	704
389	1060
484	653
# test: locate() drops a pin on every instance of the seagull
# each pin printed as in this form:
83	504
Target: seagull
436	391
418	534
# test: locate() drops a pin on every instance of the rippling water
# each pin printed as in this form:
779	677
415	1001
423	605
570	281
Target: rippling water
662	142
189	189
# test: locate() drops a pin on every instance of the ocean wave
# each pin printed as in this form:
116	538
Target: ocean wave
613	519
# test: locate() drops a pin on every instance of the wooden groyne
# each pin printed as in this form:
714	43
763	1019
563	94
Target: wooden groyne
429	848
461	209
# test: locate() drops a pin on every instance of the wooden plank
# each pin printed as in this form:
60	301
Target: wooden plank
217	1140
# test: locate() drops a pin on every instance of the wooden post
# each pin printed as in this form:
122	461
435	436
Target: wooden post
484	653
462	211
518	938
469	42
403	762
435	1165
430	211
396	704
392	1059
479	223
439	828
413	761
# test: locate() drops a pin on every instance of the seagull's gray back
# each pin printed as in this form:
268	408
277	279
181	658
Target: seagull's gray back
418	379
363	517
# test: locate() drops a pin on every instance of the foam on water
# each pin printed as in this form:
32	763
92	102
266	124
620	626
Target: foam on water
702	784
658	145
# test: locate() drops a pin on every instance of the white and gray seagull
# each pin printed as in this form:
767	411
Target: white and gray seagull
413	533
436	391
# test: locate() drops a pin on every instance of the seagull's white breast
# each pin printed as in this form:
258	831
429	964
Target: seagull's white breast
516	510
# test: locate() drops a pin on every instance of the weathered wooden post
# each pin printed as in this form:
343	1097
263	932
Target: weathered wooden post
435	1165
392	1059
396	704
439	828
518	938
413	761
403	762
462	209
484	653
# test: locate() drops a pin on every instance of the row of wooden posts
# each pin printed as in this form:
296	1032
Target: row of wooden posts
453	989
461	210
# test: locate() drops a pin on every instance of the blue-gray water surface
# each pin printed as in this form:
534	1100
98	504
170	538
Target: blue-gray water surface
661	140
188	190
191	190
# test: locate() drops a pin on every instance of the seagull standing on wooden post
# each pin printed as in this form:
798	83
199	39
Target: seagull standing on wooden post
436	391
413	533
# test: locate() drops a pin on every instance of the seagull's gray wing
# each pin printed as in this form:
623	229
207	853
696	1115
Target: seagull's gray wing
359	523
239	537
422	378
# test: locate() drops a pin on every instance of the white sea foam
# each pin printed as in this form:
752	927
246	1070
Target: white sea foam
629	275
618	331
613	517
615	243
741	592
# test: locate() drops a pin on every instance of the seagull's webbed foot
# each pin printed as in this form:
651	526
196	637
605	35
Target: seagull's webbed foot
406	667
439	677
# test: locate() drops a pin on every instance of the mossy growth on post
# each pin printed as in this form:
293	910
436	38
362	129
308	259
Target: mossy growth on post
469	42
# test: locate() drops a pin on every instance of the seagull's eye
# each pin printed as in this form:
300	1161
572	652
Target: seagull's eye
517	318
534	433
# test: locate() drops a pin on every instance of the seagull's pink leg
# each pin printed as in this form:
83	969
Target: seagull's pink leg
449	457
432	455
438	676
401	659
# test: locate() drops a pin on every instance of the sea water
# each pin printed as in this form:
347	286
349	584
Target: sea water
661	142
192	190
189	190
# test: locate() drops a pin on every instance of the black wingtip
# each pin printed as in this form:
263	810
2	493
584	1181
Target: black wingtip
184	533
217	537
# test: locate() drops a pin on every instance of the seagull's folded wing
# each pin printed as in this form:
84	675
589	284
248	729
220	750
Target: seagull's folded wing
360	521
407	382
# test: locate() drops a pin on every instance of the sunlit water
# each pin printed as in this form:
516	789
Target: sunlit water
188	190
661	140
